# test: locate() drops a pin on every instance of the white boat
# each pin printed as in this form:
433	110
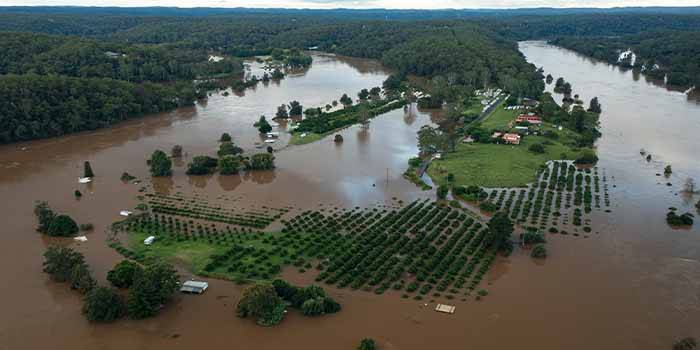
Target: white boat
84	180
125	213
80	238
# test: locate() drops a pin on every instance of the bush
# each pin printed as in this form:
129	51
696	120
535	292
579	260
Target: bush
225	137
531	237
313	307
228	149
442	191
415	162
367	344
176	152
77	194
674	219
126	177
103	304
62	226
202	165
536	148
262	161
124	273
263	126
81	279
229	165
488	207
539	252
588	157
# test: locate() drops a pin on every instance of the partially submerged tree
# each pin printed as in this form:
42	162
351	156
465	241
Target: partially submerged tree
103	304
160	164
539	252
44	216
60	261
367	344
501	228
229	165
176	152
595	106
261	302
81	279
151	289
262	161
225	137
263	126
63	226
124	273
87	170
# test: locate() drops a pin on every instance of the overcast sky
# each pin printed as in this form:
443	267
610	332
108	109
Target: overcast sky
393	4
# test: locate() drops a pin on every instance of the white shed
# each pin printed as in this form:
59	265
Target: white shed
194	287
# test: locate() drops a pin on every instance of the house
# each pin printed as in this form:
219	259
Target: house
513	139
194	287
530	118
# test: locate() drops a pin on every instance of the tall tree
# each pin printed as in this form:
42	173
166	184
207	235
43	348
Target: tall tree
160	164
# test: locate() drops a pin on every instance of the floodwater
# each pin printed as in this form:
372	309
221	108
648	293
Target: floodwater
633	286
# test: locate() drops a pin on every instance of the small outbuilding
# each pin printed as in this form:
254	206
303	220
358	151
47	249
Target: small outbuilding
194	287
448	309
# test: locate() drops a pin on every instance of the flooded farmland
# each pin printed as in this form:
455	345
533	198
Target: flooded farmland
633	286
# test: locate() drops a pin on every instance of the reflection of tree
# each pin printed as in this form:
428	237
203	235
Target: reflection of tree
199	181
363	136
409	115
229	182
261	177
163	185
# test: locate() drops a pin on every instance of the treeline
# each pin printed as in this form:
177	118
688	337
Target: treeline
674	55
39	106
22	53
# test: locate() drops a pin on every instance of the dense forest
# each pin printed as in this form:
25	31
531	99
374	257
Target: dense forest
674	55
151	58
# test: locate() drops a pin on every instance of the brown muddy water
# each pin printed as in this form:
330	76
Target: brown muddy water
634	286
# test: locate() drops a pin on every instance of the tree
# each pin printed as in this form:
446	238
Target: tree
202	165
685	344
277	74
689	185
560	83
225	137
151	289
262	161
667	170
307	293
346	100
566	89
261	301
62	226
363	94
263	126
228	149
588	157
375	91
295	108
549	79
501	228
60	261
313	307
595	106
539	252
442	191
229	164
282	112
431	140
367	344
364	114
103	304
124	273
81	279
160	164
44	215
87	170
176	152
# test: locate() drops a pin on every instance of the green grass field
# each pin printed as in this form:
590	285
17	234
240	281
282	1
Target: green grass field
310	137
492	165
500	118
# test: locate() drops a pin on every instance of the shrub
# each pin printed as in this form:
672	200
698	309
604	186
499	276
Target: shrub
229	165
588	157
124	273
262	161
63	226
674	219
225	137
367	344
103	304
77	194
228	149
313	307
202	165
539	251
262	125
531	237
81	279
127	177
442	191
536	148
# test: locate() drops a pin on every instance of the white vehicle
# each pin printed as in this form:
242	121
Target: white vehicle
149	240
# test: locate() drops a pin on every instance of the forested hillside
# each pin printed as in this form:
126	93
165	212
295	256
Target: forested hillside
671	54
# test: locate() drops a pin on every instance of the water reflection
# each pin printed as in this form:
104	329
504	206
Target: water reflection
229	182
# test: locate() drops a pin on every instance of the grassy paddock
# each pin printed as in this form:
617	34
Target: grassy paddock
310	137
492	165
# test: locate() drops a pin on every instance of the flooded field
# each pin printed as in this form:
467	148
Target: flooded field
633	286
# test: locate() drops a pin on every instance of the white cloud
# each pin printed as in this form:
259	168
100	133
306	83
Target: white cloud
326	4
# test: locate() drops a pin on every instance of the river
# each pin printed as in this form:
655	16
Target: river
633	286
